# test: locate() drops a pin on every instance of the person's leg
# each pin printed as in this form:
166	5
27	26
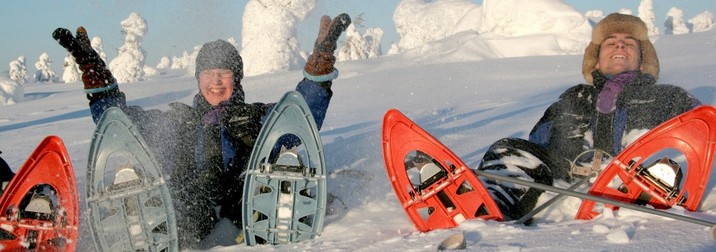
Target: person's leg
6	174
518	158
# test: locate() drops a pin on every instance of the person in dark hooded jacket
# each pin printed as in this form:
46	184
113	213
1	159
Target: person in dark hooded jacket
620	101
204	148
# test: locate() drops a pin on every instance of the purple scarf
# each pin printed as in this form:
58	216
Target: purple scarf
607	99
214	116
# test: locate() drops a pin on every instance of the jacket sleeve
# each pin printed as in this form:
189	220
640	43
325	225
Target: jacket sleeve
564	124
99	102
318	96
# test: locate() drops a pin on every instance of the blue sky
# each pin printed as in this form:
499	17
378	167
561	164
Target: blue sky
177	25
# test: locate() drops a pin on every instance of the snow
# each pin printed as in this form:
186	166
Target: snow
265	52
467	90
702	22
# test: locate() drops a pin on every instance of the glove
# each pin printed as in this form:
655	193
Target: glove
95	75
319	66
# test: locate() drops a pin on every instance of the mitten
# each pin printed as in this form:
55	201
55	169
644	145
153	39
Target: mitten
95	75
319	66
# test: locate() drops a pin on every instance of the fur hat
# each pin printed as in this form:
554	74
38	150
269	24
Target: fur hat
620	23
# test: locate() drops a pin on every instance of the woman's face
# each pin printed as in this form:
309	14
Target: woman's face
216	85
619	53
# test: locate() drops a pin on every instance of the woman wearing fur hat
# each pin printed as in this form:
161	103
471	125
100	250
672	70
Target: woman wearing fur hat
620	101
207	145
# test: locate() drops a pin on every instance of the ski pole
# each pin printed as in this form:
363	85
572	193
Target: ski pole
551	201
598	199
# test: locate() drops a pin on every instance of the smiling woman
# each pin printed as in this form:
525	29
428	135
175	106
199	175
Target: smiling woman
204	148
219	68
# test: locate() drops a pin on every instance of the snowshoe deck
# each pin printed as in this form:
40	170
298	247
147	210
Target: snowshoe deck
129	204
40	206
436	189
689	138
285	190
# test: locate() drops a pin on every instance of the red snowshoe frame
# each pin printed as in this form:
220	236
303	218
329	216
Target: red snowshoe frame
692	133
49	165
401	136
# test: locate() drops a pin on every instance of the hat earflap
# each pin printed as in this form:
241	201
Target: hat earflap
649	60
589	64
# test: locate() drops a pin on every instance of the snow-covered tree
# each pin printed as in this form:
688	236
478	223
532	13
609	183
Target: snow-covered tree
11	91
96	44
164	63
646	13
419	22
128	66
515	18
394	49
269	35
18	70
149	71
44	71
702	22
498	28
181	62
594	16
674	23
71	71
188	61
625	11
357	46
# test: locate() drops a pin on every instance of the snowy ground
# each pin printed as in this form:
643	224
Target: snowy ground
466	105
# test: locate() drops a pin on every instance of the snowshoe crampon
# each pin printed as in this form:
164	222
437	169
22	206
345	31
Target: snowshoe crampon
40	207
436	189
285	188
130	208
651	170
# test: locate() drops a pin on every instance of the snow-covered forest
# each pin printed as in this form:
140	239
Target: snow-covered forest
553	27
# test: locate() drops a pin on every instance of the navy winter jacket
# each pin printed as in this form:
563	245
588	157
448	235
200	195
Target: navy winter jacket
573	125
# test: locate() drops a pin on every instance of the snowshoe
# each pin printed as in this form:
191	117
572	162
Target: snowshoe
688	138
129	205
436	189
285	188
40	206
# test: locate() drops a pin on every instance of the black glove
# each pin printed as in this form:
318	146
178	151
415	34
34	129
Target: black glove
322	60
95	75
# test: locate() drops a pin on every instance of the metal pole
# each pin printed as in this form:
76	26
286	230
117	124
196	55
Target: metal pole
597	199
551	201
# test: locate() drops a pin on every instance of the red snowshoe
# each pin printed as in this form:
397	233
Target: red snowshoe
39	209
651	170
436	189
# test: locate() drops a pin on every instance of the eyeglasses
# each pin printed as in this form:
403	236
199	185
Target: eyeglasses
221	73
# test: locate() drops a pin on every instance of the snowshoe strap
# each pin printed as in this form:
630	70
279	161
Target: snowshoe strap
587	171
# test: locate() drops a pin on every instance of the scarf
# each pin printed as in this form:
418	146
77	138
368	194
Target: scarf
607	99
